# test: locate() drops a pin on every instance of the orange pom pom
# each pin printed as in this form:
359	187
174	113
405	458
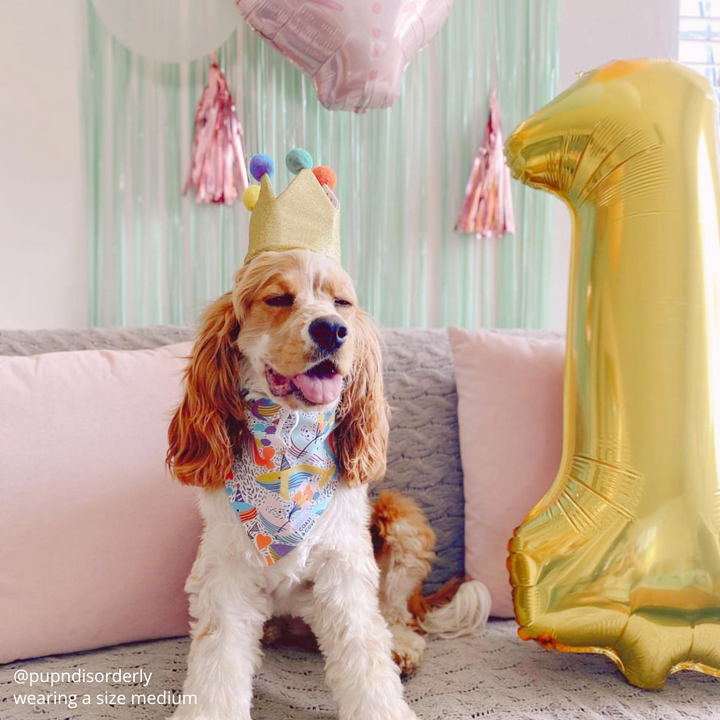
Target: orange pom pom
325	176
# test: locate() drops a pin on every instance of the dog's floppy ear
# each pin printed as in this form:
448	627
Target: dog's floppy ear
362	433
207	425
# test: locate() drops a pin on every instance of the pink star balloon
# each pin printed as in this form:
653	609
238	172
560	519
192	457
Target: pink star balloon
355	51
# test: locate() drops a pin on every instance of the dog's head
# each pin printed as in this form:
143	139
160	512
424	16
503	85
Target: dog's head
290	330
298	317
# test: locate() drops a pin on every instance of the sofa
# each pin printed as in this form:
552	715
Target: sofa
493	674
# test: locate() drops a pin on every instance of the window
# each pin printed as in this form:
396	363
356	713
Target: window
700	38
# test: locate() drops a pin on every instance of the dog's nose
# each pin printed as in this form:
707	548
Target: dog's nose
328	333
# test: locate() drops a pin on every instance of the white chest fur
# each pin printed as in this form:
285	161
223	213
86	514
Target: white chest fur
342	529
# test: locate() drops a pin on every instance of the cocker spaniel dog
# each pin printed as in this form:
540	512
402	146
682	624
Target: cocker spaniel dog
282	426
285	386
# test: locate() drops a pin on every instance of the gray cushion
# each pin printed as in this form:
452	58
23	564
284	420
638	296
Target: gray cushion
424	449
36	342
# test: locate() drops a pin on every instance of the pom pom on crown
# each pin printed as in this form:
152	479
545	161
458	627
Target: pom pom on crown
325	176
250	196
297	160
304	216
260	165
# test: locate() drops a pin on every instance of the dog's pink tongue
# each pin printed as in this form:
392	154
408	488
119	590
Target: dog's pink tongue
319	390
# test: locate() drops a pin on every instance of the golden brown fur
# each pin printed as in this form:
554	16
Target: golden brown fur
402	535
206	427
363	428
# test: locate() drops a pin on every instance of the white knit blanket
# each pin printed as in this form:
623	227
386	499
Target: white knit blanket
495	675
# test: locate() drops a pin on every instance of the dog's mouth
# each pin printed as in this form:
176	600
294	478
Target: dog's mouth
319	385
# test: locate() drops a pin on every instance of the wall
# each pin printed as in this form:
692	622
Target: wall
43	278
593	32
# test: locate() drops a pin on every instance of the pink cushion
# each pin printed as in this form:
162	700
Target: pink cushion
96	539
510	415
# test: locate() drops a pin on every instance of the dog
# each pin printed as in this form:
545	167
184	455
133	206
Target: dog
290	332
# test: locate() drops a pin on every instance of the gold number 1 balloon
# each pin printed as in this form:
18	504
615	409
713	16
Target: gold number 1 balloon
622	556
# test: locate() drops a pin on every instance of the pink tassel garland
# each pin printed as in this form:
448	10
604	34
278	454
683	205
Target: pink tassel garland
487	208
218	170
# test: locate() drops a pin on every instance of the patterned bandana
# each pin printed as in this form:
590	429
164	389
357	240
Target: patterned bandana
285	479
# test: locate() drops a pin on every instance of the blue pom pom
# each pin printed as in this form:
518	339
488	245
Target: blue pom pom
260	165
297	160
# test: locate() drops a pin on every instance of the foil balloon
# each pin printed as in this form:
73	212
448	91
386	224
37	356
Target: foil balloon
169	30
355	52
622	556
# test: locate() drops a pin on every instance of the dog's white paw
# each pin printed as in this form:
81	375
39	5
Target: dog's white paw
408	648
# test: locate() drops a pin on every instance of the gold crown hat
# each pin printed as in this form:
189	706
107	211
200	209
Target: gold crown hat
305	216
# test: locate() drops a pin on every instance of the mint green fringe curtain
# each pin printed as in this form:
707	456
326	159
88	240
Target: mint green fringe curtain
158	257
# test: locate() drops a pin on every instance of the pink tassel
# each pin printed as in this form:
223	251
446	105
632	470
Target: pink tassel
218	169
487	208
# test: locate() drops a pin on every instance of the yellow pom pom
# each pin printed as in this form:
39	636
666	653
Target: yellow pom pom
250	196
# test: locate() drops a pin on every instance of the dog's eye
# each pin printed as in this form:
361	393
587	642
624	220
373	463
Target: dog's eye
341	302
285	300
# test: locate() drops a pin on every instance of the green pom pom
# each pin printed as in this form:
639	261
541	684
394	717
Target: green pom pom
250	196
297	160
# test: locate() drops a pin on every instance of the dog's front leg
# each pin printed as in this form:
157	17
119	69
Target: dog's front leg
229	610
354	637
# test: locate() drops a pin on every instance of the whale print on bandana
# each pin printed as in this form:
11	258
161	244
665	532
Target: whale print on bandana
286	477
